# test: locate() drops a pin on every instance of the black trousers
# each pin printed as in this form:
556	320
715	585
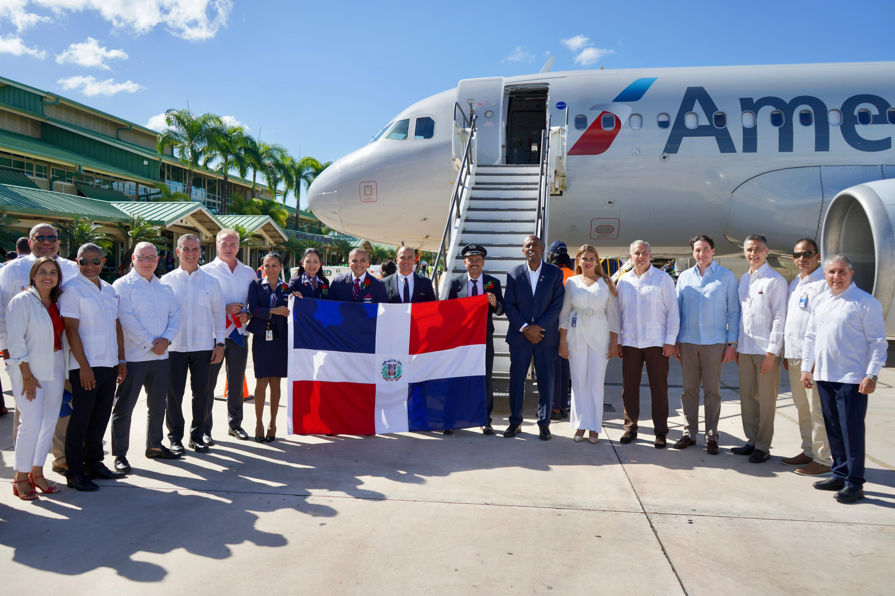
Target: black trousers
199	366
235	357
489	370
151	375
89	418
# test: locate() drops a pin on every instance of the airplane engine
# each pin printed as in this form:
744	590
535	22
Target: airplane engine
860	223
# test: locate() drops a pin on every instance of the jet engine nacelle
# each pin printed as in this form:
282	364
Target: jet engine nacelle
860	223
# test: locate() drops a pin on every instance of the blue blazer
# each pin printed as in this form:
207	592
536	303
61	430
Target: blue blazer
541	309
307	290
342	289
259	308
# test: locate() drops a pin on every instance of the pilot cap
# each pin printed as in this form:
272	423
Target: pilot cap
558	246
473	249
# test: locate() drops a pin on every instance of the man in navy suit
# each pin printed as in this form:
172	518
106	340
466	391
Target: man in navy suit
405	286
474	283
358	286
532	304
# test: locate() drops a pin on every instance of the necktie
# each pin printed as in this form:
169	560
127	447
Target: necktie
356	287
406	291
475	287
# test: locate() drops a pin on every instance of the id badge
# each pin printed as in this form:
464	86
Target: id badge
574	320
803	301
269	335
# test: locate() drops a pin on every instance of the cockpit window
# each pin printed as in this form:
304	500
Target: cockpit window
382	132
425	128
399	131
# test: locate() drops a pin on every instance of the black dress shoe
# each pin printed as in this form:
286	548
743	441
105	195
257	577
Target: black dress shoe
849	494
447	431
238	433
198	447
208	440
627	437
831	483
544	433
659	443
758	456
487	430
556	415
512	430
81	482
161	453
122	465
177	448
101	471
746	449
564	413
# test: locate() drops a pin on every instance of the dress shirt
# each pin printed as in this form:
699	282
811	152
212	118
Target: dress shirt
14	279
534	275
203	319
234	284
32	337
474	283
401	279
709	306
96	309
648	309
797	310
147	310
763	311
846	337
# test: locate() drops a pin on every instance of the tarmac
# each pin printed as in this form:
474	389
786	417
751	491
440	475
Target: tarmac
422	513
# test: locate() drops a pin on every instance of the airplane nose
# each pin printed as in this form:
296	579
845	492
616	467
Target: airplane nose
323	197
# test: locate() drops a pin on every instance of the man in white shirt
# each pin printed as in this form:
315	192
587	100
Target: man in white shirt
234	279
14	277
845	346
89	309
150	318
198	345
805	289
762	293
650	321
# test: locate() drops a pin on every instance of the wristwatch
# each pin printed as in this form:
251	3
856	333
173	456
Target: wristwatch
219	345
732	344
873	377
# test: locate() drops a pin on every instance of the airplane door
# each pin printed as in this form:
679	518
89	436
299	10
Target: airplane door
486	96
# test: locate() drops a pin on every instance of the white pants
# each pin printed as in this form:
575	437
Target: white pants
588	371
38	417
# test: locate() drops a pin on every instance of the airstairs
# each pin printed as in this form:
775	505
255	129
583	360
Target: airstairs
497	207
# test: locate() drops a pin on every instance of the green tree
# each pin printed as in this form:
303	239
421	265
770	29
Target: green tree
380	254
241	206
260	155
293	248
82	231
8	236
189	136
341	248
276	211
138	230
232	148
166	195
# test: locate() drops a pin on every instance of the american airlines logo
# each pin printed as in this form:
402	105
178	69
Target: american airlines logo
598	138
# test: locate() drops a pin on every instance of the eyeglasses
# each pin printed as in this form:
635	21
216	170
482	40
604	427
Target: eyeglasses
146	258
84	261
42	238
807	254
182	250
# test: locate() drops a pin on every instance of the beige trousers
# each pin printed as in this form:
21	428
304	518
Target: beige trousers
758	399
811	416
701	365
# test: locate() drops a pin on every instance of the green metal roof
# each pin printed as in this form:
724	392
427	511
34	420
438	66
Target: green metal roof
252	223
16	178
162	213
43	202
102	194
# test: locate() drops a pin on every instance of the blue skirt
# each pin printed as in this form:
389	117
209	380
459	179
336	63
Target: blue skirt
271	357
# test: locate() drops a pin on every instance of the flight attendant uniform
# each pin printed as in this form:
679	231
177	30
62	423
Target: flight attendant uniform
270	332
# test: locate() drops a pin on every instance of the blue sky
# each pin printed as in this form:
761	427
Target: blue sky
321	78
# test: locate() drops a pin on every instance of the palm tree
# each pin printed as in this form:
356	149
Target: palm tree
380	254
272	209
293	248
166	195
342	248
277	170
82	231
189	136
138	230
243	207
260	155
232	147
8	236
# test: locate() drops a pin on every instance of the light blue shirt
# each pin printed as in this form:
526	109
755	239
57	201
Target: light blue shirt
710	307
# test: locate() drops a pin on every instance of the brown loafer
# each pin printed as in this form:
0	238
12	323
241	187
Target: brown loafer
684	442
799	460
814	469
712	447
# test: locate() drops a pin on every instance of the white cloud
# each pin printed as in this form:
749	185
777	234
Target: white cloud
576	43
89	86
15	46
588	56
90	54
157	122
193	20
231	121
519	55
14	12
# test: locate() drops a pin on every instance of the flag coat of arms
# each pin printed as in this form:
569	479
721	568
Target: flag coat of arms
367	369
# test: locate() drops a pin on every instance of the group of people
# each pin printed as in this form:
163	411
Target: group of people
60	323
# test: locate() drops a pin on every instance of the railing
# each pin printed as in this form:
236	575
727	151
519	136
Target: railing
543	186
454	210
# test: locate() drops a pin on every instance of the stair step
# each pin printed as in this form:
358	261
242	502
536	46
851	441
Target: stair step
509	165
506	174
512	221
465	231
502	209
501	199
505	183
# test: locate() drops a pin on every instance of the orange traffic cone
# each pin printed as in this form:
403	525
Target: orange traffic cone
245	389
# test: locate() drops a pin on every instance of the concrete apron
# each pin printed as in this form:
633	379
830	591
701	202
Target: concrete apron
421	512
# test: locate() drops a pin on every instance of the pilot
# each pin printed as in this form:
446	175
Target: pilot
476	283
406	286
358	286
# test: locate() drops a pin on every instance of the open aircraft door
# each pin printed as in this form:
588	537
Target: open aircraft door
486	98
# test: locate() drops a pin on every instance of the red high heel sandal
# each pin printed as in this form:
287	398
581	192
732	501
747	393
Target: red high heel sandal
28	495
52	490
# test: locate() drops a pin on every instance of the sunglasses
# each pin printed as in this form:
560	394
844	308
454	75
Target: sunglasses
45	238
807	254
84	261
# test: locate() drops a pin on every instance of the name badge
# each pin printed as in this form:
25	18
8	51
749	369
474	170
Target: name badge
803	301
574	320
269	335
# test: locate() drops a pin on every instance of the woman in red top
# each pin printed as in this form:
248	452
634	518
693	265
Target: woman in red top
36	366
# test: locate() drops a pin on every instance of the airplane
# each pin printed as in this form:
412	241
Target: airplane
787	151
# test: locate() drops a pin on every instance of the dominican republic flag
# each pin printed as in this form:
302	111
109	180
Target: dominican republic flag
235	330
363	369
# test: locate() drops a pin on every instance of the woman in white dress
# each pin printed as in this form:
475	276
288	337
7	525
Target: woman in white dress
588	337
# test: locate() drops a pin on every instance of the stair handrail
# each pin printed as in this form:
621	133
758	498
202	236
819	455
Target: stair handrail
454	209
543	187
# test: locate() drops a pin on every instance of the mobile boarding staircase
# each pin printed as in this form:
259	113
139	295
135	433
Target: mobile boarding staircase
497	207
